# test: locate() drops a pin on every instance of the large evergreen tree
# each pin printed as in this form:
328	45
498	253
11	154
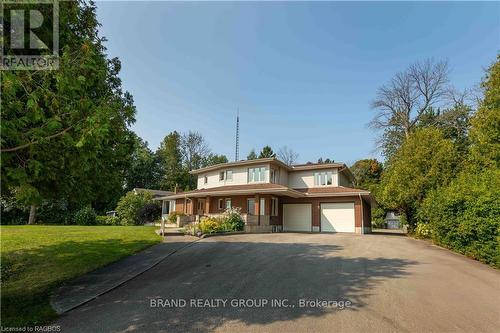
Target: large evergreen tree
65	132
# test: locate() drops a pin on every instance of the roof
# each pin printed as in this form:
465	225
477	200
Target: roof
237	189
296	167
156	193
269	188
239	163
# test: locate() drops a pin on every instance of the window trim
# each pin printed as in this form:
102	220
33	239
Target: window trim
321	178
262	172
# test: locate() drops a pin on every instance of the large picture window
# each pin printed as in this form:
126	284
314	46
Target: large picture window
323	178
257	174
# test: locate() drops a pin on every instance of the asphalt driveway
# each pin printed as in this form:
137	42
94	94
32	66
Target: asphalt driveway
276	283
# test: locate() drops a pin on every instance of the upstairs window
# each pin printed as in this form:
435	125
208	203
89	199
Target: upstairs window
274	175
257	174
323	178
205	179
226	175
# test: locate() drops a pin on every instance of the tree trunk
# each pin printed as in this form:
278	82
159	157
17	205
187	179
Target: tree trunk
31	219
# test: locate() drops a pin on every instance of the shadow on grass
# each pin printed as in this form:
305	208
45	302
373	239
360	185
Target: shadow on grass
29	276
237	270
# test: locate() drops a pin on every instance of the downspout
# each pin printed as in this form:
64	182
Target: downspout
362	215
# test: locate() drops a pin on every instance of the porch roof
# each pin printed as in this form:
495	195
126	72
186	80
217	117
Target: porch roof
264	188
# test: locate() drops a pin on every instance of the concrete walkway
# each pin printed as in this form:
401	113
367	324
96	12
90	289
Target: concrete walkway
105	279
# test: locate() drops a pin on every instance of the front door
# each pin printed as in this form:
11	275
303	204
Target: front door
201	207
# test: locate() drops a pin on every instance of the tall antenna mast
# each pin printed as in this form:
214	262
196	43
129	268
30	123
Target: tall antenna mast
237	153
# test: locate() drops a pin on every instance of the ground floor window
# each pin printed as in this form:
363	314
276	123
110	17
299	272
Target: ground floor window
221	204
274	206
228	203
251	206
262	206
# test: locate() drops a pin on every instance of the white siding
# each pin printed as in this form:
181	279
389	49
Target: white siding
305	179
240	176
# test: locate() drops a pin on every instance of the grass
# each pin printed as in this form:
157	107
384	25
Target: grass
37	259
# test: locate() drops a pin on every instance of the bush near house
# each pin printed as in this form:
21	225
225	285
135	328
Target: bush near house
172	217
231	220
130	205
149	213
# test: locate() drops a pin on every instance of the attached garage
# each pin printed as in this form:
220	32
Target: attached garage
337	217
297	217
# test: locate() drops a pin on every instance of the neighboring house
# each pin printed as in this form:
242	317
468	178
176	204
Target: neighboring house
392	220
275	196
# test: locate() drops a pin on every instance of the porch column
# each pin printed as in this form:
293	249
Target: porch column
257	208
207	205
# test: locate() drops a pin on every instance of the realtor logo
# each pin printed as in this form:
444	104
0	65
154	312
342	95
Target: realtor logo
30	35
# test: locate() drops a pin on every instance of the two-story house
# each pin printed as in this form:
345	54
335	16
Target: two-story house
278	197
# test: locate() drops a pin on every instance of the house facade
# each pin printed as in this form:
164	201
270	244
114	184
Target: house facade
273	196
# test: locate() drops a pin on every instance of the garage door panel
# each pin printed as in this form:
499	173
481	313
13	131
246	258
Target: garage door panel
337	217
297	217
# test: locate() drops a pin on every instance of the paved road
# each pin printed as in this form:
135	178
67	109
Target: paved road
395	284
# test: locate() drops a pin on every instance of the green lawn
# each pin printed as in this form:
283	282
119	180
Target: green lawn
37	259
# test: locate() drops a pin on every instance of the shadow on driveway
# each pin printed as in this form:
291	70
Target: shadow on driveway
228	269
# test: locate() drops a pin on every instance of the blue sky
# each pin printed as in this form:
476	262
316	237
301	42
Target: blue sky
301	74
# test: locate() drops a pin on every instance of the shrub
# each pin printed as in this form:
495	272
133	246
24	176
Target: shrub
210	225
465	215
233	218
378	218
191	229
129	206
172	217
149	212
423	230
108	220
85	216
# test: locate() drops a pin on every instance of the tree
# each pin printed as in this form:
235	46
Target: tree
213	159
485	131
401	103
424	162
287	155
144	171
129	207
170	160
367	173
194	150
267	152
252	155
65	132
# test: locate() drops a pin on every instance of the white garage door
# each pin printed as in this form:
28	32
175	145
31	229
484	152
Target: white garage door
297	217
337	217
